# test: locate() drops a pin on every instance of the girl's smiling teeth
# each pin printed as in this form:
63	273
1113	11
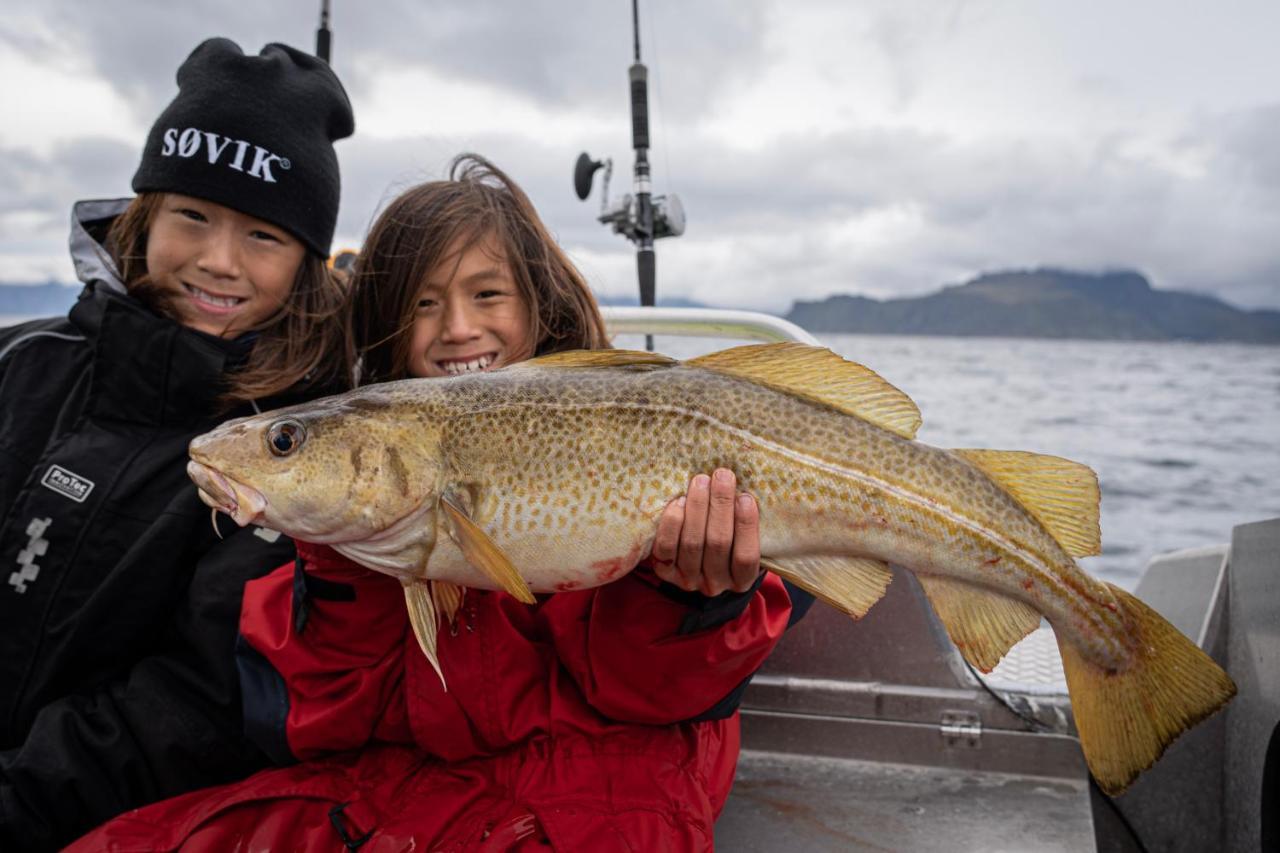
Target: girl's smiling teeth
208	299
457	367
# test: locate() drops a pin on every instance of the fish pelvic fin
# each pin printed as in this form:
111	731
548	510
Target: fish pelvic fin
483	553
819	375
448	600
1127	718
850	584
1062	495
425	623
982	623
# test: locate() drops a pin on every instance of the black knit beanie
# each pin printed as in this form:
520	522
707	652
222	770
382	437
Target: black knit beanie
254	133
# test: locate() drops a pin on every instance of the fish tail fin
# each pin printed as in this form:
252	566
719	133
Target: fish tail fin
1127	718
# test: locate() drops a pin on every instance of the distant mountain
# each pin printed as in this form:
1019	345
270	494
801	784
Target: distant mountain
1042	303
1046	303
37	300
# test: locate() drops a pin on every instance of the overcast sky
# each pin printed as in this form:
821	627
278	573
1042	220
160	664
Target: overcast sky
877	147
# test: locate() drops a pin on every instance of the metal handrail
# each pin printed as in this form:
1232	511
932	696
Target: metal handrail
703	322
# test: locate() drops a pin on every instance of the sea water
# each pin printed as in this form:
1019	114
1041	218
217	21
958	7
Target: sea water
1185	437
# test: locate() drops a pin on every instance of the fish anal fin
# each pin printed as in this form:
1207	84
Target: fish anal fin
1062	495
982	623
849	584
425	623
818	374
483	553
600	358
1128	717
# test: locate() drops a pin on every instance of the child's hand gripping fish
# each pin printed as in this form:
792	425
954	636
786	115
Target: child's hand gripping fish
526	479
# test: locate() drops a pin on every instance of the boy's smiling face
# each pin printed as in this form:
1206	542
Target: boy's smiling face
224	272
470	315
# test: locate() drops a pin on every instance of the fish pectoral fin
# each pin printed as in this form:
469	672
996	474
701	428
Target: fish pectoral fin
483	553
849	584
422	617
983	624
448	599
600	358
818	374
1061	494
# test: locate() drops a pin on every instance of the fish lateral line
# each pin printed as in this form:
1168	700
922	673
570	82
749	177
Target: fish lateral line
1035	563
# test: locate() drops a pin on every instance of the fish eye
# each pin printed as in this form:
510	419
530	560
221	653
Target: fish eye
285	436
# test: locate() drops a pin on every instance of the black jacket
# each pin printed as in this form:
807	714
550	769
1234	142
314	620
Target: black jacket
118	603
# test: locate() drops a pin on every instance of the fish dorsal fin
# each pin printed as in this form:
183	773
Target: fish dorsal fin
983	624
1061	494
600	358
818	374
423	619
483	553
850	584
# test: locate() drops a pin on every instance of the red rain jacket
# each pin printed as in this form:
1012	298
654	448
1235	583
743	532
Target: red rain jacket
598	719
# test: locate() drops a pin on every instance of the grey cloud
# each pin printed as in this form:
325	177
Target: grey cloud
137	48
565	53
788	220
47	185
905	31
1247	148
37	193
557	53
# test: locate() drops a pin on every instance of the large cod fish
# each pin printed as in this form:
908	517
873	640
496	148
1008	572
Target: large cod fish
550	475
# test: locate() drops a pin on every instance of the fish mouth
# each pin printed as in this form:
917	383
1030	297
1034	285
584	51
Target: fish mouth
243	504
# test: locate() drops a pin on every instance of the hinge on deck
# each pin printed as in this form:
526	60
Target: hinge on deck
961	728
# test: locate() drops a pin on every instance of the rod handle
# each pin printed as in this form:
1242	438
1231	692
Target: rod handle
639	106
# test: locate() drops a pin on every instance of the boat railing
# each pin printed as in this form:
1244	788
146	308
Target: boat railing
703	323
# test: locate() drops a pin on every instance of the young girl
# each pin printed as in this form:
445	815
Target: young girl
600	719
205	296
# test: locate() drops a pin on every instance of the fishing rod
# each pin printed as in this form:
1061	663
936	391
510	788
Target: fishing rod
640	216
342	261
324	38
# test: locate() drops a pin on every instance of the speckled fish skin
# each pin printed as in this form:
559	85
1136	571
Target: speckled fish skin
568	469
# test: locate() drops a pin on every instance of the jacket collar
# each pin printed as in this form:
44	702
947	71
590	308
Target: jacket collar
92	261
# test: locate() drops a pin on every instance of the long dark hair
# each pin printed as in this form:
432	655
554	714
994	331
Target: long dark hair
410	239
303	344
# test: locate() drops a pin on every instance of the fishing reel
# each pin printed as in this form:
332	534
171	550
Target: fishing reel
640	216
623	215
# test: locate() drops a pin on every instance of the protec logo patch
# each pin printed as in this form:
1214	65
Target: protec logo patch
66	483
